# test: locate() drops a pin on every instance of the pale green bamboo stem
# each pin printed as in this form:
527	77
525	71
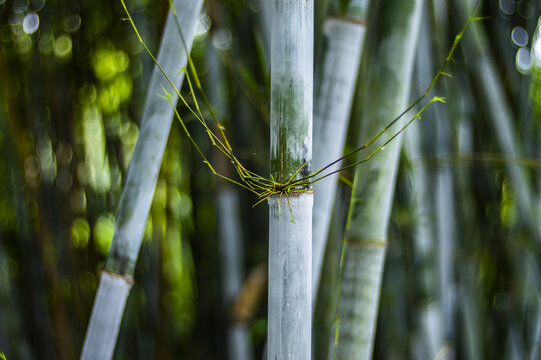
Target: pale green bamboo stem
228	222
388	80
428	339
138	191
290	310
497	107
265	18
324	324
444	194
227	205
291	89
290	250
335	88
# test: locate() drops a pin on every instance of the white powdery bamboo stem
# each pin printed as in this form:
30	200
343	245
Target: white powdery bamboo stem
359	299
238	338
445	225
229	223
324	314
290	261
331	114
146	160
110	301
389	82
292	48
445	229
230	245
290	242
138	191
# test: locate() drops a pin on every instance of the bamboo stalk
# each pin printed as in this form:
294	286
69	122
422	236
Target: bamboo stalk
389	79
497	107
289	323
429	337
444	206
335	86
229	227
324	324
138	192
290	250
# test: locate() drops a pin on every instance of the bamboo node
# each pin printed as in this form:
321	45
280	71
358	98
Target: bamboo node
126	278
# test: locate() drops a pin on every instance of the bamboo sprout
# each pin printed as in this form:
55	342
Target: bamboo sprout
290	250
389	78
134	206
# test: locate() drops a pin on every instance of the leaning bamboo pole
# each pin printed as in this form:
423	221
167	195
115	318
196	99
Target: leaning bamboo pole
290	250
390	70
117	277
344	30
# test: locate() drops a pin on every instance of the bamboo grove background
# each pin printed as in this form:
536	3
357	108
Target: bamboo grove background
461	277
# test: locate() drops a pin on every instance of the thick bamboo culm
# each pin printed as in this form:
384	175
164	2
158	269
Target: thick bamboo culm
335	86
389	80
290	214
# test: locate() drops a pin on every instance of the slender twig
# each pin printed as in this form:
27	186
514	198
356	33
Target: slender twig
259	185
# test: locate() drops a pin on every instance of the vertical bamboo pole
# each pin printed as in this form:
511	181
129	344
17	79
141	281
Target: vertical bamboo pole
134	206
344	30
491	90
389	78
324	324
229	224
290	250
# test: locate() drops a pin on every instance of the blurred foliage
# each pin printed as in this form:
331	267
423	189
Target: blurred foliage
72	87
